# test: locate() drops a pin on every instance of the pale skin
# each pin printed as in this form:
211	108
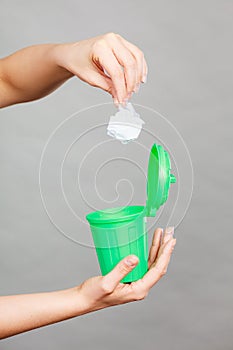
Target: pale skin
118	67
36	71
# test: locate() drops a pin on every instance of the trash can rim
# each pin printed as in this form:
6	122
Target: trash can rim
114	215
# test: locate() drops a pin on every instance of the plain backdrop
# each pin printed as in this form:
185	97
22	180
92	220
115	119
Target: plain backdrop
188	48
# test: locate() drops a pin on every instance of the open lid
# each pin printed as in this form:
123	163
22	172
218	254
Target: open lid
159	179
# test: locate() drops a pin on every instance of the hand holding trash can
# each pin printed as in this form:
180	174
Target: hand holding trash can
119	232
104	291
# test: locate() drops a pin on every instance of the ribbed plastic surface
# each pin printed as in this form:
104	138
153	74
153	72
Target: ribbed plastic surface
115	243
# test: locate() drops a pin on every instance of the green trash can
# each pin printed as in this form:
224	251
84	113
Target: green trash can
118	232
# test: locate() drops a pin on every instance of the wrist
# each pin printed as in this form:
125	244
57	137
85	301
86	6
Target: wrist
78	303
60	57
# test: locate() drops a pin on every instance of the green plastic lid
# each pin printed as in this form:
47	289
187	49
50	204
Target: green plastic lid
159	179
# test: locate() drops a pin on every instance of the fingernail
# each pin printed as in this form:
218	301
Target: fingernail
122	102
144	79
170	230
132	260
115	101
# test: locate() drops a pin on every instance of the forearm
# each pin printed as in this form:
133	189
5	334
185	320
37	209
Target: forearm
20	313
30	74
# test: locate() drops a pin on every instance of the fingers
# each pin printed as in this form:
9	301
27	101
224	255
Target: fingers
138	290
133	65
154	249
159	267
168	234
142	69
99	80
158	260
157	243
128	62
124	63
113	278
111	65
145	71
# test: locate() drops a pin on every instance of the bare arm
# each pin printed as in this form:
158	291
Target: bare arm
30	74
20	313
36	71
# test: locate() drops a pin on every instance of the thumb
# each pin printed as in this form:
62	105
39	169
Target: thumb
113	278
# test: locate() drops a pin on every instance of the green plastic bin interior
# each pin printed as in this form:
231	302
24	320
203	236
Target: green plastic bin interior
118	232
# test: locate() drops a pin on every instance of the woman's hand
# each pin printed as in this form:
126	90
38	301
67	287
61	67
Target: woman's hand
21	313
103	291
108	61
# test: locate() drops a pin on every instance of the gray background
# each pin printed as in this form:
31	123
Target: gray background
188	48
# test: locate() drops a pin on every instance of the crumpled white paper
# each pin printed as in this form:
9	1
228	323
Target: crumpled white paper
125	125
